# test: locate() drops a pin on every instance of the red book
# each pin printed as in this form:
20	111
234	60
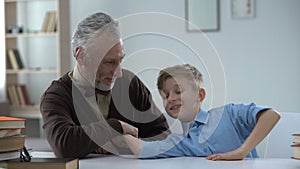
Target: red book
11	122
25	94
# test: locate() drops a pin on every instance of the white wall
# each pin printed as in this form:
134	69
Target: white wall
260	56
2	55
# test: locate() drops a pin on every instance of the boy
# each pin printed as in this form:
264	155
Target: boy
230	132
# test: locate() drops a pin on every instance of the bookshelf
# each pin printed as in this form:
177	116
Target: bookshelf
44	53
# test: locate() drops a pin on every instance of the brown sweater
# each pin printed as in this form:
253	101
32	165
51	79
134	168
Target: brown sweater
68	117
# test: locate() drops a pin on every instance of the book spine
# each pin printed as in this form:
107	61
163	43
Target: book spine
12	59
18	58
25	94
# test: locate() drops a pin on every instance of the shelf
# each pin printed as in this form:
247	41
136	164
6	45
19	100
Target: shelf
7	1
46	54
26	35
28	71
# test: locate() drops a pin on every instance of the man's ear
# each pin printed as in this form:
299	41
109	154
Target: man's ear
79	55
201	94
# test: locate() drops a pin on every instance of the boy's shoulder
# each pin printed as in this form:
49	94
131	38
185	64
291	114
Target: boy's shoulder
219	109
234	105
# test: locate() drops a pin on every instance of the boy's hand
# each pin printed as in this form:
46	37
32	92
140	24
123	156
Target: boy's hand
134	144
231	155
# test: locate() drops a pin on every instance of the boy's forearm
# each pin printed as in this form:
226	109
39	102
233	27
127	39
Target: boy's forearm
266	122
134	144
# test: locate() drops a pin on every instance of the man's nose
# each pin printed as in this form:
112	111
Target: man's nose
118	70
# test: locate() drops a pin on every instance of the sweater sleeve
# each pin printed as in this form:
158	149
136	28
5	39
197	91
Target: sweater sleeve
69	125
151	121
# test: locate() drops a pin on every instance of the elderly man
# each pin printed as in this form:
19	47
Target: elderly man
98	99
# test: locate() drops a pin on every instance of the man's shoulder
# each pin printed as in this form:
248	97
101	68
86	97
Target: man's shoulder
128	76
128	73
61	84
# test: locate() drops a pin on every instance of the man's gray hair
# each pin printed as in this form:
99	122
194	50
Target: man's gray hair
90	25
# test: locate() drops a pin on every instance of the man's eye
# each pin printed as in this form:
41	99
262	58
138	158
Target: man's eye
178	92
110	62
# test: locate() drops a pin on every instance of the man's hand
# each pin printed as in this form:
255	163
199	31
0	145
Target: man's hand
109	147
129	129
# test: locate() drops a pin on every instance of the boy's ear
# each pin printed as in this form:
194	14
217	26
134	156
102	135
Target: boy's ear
201	94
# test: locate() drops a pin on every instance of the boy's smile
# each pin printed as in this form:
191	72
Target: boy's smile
180	98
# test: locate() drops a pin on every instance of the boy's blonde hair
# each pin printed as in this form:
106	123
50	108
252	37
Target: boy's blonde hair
187	71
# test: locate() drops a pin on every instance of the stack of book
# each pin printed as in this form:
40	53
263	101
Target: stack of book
296	146
43	163
12	142
11	139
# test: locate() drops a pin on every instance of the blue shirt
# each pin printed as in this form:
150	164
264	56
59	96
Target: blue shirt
218	130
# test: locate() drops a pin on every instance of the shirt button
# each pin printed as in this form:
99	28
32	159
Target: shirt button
205	150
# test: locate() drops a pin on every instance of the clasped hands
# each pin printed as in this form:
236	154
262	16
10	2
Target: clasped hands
118	143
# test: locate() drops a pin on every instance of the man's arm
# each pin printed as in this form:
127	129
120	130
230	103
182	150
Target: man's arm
62	123
133	104
266	121
151	122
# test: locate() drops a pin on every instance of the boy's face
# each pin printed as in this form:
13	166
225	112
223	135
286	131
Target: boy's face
181	100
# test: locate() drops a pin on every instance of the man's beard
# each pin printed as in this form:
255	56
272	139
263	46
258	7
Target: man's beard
104	87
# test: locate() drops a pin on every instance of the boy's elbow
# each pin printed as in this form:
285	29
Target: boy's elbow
276	114
273	115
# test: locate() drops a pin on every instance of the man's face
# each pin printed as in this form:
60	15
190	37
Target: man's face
180	99
103	65
110	67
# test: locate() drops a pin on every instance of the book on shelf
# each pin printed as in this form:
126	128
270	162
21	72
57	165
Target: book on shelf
50	22
18	94
25	94
14	60
296	146
18	58
43	163
45	22
12	143
7	122
8	63
12	95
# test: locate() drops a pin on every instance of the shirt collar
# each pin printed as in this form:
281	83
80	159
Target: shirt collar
202	117
78	78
